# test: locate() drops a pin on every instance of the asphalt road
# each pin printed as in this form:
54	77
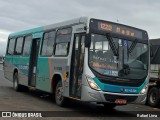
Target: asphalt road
11	100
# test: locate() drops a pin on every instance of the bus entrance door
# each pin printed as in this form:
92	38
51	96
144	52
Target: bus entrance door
77	66
33	62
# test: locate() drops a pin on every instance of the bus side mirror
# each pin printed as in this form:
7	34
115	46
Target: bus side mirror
87	40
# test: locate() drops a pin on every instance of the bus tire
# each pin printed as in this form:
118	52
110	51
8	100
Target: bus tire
16	85
153	97
109	106
59	99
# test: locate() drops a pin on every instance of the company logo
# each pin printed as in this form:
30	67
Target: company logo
6	114
21	114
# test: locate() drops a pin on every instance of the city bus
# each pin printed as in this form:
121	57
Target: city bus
85	59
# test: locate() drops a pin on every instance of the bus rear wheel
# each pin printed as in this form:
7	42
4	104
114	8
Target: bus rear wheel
16	85
59	98
109	106
153	97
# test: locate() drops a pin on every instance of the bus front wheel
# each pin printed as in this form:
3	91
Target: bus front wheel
59	98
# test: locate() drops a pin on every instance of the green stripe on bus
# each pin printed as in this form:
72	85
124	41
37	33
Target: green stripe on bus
39	29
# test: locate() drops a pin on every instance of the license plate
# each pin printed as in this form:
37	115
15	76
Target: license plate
121	101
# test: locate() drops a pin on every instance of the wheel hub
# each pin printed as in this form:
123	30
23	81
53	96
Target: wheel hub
153	97
15	83
59	93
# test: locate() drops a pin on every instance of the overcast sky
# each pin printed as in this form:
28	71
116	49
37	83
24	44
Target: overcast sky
16	15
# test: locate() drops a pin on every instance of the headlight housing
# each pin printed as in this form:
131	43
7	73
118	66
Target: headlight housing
144	90
92	84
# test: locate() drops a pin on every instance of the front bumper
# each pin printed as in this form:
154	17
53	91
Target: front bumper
91	95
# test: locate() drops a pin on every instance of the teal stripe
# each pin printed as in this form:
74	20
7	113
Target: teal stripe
116	88
39	29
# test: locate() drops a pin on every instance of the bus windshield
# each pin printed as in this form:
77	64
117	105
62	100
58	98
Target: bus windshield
130	62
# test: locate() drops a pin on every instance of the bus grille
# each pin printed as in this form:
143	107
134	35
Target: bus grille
112	98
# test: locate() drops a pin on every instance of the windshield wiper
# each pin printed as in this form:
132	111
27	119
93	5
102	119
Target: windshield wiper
112	45
132	46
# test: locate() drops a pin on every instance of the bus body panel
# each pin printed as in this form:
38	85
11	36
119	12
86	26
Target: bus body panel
43	80
60	66
21	64
8	68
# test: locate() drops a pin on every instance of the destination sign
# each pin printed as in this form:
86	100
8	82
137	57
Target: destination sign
117	29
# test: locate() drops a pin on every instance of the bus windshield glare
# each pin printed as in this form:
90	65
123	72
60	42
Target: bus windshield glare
130	62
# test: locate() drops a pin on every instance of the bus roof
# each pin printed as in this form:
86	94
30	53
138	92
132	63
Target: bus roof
52	26
83	20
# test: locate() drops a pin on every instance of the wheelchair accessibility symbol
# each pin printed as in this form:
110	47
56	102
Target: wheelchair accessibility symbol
125	43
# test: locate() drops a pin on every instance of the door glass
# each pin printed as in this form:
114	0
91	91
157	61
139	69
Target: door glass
74	67
81	56
77	66
33	62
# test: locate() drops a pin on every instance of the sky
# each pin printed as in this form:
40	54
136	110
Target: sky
17	15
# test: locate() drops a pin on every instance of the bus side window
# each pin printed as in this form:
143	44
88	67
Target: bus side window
63	42
48	43
11	46
44	45
27	44
62	49
19	43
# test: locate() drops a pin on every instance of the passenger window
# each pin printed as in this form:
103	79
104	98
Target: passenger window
48	42
61	49
44	46
27	44
19	43
63	42
11	47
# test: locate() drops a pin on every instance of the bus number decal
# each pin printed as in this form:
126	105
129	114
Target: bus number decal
58	68
106	26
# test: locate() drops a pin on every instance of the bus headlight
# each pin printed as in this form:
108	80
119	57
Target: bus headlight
92	84
144	90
